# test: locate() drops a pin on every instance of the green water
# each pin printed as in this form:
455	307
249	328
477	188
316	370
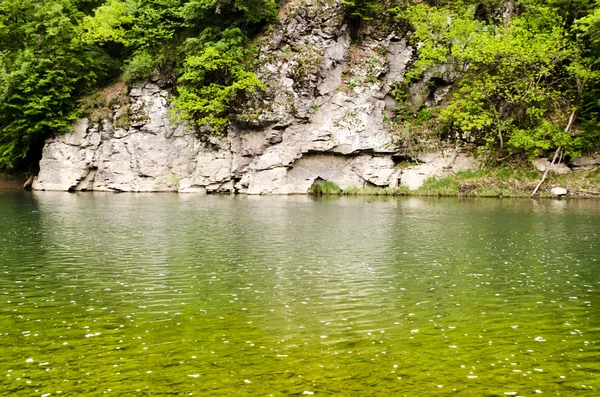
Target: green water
178	295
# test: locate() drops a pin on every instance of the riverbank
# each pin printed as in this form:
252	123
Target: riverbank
496	182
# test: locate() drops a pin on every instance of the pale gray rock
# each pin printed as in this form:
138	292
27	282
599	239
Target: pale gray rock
586	161
398	55
27	184
268	182
559	191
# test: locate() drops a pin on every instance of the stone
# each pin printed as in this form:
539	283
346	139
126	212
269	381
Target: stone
586	161
398	55
559	191
28	183
415	177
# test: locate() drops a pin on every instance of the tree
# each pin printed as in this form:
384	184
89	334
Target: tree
42	73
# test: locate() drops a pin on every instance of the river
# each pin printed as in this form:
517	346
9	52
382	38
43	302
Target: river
181	295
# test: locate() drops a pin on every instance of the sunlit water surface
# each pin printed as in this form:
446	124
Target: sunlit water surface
177	295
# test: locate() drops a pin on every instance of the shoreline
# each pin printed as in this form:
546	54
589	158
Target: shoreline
484	183
361	193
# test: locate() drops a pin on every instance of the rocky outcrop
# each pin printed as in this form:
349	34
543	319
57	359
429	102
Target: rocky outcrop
586	162
325	116
557	168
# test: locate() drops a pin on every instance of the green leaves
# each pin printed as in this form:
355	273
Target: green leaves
208	65
236	13
439	33
363	9
107	25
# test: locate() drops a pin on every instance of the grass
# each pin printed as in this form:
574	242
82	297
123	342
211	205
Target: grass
439	187
325	188
508	182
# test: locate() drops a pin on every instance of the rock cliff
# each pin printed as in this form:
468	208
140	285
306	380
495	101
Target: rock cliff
325	116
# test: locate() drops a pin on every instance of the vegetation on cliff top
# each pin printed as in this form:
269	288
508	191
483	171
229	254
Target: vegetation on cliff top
528	72
525	66
55	52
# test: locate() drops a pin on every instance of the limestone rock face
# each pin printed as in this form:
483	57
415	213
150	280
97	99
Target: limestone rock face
324	116
150	155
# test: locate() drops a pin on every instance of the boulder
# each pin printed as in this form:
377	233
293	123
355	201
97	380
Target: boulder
559	191
586	161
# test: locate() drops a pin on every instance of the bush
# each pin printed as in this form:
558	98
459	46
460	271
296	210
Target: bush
140	66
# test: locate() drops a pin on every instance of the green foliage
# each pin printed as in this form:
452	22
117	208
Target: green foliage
425	114
4	79
211	67
439	33
107	24
588	30
522	78
241	13
141	65
214	78
42	72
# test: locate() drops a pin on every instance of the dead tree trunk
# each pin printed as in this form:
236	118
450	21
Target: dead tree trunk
508	12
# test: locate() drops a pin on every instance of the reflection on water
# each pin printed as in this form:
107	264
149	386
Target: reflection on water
164	294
